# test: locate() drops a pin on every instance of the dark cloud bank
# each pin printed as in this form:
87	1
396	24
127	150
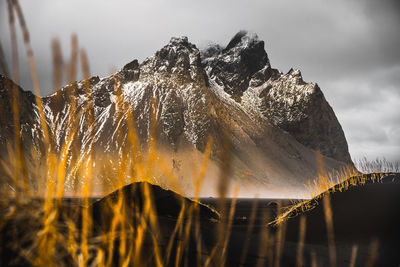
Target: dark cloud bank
349	47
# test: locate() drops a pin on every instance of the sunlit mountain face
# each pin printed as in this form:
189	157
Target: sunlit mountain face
186	104
191	157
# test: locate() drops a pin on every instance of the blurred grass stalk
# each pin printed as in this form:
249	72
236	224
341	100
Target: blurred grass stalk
86	249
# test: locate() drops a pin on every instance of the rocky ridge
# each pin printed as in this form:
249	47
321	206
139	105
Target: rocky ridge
276	122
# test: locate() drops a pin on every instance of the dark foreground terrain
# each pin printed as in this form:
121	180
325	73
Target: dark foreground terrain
365	220
366	216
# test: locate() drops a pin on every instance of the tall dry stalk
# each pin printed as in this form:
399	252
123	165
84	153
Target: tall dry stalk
132	236
58	64
353	256
3	63
314	262
249	232
329	230
222	190
14	96
32	67
73	62
300	244
264	243
280	238
85	64
372	253
14	46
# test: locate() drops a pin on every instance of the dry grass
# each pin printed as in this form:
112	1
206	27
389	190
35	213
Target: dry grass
322	186
53	238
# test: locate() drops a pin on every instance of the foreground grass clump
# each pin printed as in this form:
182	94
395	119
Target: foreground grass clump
324	187
139	224
50	213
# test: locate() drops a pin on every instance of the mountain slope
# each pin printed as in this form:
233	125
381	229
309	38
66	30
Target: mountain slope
243	70
270	118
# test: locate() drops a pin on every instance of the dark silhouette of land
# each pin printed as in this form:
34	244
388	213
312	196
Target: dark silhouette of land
362	215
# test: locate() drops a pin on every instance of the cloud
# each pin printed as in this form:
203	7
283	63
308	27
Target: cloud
349	47
373	127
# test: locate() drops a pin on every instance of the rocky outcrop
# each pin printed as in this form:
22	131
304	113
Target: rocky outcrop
233	66
276	122
24	112
300	108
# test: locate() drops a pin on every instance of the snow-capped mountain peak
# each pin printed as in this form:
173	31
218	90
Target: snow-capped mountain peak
276	122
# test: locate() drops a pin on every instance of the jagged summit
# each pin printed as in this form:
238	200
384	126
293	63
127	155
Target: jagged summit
233	66
180	41
179	58
277	122
244	72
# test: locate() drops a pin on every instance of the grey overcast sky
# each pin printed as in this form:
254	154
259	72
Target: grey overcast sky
351	48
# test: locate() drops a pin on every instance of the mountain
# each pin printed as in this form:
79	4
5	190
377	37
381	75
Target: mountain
279	126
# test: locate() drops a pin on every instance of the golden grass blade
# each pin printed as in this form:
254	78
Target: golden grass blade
218	252
199	248
314	259
72	70
199	179
86	214
373	253
178	227
72	244
57	169
300	245
33	70
329	230
19	160
249	232
112	231
62	166
85	64
182	243
100	258
224	157
264	244
226	236
58	64
225	168
3	64
150	215
14	46
353	257
280	238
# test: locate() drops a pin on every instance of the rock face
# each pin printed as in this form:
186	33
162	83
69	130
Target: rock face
286	100
11	93
276	122
299	108
233	67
